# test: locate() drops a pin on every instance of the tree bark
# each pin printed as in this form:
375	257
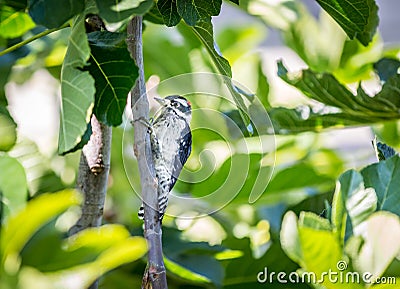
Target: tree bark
94	167
155	275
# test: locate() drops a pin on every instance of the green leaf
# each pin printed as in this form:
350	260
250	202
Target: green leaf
169	12
154	15
14	23
312	245
53	14
17	4
116	11
184	273
120	251
262	86
384	178
338	213
290	239
250	267
193	10
114	72
7	130
358	19
360	202
89	238
343	107
198	268
288	179
189	260
204	31
380	245
38	212
324	88
321	253
77	89
319	42
13	185
177	245
313	221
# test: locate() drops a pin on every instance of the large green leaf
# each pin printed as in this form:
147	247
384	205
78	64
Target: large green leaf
37	213
53	14
324	88
358	19
77	89
311	243
13	185
343	107
14	23
380	245
384	177
169	12
114	72
88	254
116	11
193	10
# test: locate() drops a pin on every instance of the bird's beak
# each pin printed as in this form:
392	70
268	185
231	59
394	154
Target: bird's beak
161	101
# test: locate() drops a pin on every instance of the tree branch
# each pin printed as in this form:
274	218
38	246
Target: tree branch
155	275
94	167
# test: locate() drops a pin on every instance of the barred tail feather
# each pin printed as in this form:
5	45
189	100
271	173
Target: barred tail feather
141	212
162	204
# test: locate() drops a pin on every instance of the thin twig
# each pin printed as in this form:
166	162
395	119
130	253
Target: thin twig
33	38
155	275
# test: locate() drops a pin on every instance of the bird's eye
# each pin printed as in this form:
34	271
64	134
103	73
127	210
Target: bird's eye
175	104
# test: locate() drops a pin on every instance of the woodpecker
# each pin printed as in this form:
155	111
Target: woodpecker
171	145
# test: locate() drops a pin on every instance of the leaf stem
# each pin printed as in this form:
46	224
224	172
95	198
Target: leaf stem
33	38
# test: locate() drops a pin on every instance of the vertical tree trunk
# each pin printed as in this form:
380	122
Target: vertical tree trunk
155	275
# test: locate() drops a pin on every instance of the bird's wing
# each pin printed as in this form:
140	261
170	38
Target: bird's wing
185	148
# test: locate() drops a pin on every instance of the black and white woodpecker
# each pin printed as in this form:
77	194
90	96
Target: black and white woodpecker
171	145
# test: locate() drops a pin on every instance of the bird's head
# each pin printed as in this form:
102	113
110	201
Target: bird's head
176	104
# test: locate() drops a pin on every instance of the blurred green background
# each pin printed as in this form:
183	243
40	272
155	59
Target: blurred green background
228	248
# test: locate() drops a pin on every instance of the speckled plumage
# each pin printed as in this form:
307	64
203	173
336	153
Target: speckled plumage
171	142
